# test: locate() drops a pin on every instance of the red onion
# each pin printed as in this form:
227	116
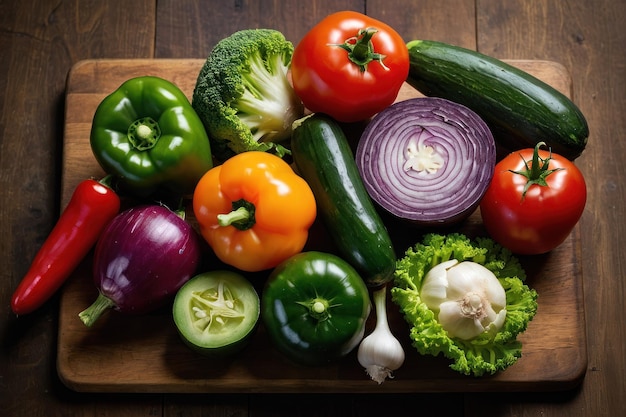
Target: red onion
427	160
144	255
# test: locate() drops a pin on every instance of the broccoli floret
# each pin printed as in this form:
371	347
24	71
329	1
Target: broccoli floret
243	94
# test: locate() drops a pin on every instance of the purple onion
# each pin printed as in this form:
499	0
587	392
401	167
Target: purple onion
461	164
144	255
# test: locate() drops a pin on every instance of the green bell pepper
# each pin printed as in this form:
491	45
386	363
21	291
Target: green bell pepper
147	135
314	307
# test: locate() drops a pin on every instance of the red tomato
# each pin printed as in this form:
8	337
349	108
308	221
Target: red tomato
539	219
338	69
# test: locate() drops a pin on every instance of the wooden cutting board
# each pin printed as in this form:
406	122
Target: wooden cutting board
144	354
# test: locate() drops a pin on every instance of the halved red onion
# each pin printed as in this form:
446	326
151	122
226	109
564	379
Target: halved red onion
427	160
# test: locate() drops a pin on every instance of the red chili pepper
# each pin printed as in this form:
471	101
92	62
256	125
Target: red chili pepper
90	209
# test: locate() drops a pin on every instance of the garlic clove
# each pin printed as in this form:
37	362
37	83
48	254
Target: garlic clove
456	324
464	278
434	289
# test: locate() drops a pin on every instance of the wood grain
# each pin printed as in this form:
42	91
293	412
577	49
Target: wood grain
39	43
144	354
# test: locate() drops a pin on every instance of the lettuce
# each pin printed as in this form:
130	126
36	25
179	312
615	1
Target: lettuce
487	353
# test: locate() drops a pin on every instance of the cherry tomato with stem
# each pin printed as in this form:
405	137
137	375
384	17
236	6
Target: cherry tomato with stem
534	201
349	66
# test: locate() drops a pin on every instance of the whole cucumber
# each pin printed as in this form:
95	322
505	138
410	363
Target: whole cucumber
325	160
520	109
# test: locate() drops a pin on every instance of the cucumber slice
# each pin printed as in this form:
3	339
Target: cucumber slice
216	312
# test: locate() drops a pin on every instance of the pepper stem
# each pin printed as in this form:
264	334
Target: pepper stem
144	133
234	216
361	50
241	217
107	180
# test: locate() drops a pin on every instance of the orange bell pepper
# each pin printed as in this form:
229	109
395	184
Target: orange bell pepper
254	210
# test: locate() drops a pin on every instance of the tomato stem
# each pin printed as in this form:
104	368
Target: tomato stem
361	50
538	171
317	308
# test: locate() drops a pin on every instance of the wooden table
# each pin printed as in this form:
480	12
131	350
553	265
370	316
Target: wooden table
40	43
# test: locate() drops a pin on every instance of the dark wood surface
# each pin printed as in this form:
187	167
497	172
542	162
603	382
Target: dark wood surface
41	41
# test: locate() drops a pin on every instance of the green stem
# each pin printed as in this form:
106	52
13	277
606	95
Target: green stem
361	50
180	211
317	308
380	304
91	313
144	133
537	172
241	217
107	180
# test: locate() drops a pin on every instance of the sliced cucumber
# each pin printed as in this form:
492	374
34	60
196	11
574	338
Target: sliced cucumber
216	312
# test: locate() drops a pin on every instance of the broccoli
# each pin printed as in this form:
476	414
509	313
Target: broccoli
243	95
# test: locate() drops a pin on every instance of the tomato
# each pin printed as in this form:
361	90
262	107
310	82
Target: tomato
349	66
534	201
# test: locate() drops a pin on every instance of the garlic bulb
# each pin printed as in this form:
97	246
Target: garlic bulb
467	298
380	353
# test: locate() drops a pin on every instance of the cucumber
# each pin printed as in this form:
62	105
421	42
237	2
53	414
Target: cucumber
216	312
323	157
520	109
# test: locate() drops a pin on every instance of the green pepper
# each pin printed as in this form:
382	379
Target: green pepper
147	134
314	307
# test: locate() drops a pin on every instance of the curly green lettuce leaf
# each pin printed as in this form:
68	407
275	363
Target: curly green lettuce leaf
487	353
